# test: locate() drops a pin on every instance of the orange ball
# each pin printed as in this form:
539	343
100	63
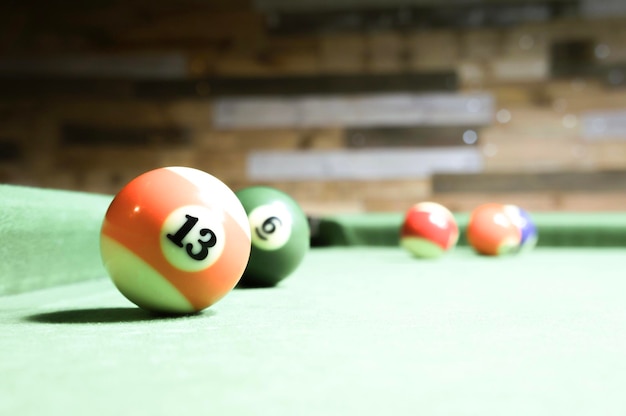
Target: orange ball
175	240
491	231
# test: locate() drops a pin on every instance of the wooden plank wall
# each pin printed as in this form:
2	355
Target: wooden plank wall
149	75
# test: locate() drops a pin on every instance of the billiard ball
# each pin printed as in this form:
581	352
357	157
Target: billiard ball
429	230
280	235
492	231
522	219
175	240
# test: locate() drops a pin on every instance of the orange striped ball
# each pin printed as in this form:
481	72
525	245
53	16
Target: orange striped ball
175	240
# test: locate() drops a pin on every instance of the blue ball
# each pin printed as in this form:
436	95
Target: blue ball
526	225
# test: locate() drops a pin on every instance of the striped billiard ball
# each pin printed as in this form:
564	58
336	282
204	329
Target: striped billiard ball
175	240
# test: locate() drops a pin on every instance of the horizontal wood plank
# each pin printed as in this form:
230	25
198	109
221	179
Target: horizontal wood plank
129	66
530	182
604	125
467	201
364	164
409	15
428	136
354	111
23	85
88	135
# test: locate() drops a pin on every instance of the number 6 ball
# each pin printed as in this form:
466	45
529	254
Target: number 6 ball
175	240
280	235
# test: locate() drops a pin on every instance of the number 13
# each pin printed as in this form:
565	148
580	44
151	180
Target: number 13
204	245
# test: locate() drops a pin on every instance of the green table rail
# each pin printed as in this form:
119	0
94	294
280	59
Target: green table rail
556	229
48	237
51	237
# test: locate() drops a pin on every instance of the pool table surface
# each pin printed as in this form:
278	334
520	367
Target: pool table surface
357	329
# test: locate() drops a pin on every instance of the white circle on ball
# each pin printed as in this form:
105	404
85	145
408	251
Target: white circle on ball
193	238
270	225
515	215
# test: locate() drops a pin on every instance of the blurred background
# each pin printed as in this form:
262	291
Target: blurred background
349	106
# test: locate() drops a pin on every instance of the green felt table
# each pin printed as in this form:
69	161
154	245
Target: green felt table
359	328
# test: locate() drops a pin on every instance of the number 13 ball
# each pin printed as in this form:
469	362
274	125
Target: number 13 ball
280	235
175	240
